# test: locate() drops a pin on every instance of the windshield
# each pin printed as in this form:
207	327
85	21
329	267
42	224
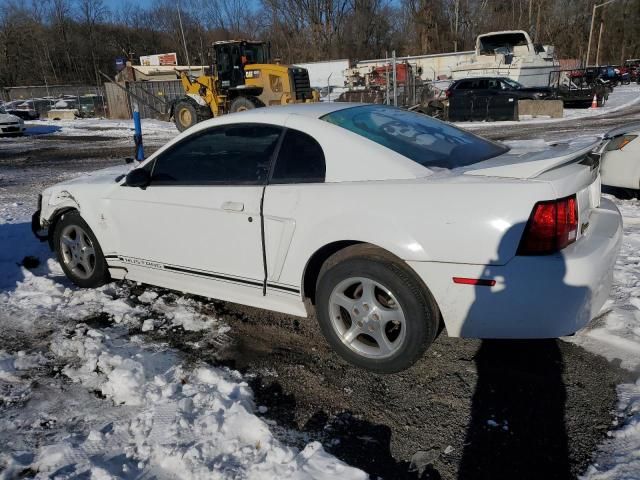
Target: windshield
489	44
512	83
423	139
256	53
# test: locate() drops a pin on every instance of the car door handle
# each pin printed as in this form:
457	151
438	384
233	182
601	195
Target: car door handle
233	206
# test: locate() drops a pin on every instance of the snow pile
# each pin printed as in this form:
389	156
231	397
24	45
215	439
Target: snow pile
42	293
87	399
12	365
180	423
183	312
622	458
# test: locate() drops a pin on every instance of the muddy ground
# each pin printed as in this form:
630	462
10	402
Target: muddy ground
468	410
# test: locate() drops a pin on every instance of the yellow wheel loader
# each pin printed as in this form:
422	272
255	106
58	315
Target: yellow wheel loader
242	77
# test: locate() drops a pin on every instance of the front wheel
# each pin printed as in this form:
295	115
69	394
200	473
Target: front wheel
374	311
185	115
79	252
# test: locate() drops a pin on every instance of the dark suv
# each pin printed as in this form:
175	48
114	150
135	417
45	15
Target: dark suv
489	98
497	86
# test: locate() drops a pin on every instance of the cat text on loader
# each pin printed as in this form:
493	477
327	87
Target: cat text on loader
241	78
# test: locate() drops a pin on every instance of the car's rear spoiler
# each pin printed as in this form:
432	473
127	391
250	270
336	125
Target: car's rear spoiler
616	132
526	163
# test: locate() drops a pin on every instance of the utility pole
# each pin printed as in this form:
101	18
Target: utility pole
386	68
395	80
184	41
599	39
455	29
537	35
593	18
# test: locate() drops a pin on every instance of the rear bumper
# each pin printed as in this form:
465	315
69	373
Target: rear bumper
534	297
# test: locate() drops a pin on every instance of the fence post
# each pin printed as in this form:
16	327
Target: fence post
137	137
395	80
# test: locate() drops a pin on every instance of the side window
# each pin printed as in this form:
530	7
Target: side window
465	85
300	160
483	84
494	84
229	155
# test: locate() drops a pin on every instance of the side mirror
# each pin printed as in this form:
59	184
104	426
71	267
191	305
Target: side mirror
138	177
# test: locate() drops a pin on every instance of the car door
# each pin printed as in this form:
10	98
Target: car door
199	219
480	99
297	179
461	101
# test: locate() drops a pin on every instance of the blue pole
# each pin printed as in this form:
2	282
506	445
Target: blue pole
137	137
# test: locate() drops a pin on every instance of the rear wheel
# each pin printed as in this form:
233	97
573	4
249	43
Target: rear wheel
240	104
78	252
374	311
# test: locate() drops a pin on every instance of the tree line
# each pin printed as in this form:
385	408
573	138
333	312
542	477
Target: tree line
71	41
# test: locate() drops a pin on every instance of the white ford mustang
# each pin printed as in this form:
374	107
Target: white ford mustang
389	224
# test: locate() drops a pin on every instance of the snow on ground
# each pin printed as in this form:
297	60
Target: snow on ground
615	334
101	127
85	398
622	97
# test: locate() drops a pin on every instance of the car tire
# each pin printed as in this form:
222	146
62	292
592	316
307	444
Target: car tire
389	328
79	252
240	104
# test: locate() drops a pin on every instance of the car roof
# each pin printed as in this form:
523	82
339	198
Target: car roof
312	110
482	78
369	161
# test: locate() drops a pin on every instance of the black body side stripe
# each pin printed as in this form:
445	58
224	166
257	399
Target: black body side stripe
212	275
280	287
217	276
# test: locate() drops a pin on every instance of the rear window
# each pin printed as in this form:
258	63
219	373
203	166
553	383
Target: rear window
425	140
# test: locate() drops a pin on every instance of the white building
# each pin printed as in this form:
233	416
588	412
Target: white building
329	73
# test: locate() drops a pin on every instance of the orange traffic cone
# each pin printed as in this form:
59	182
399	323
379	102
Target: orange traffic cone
594	102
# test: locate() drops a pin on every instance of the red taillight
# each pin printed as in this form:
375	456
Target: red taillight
553	225
447	93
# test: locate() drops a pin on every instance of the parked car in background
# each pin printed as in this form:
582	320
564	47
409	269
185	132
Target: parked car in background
22	109
389	224
620	158
489	98
497	86
10	124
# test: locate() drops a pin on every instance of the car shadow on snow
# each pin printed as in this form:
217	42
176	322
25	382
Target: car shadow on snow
20	249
